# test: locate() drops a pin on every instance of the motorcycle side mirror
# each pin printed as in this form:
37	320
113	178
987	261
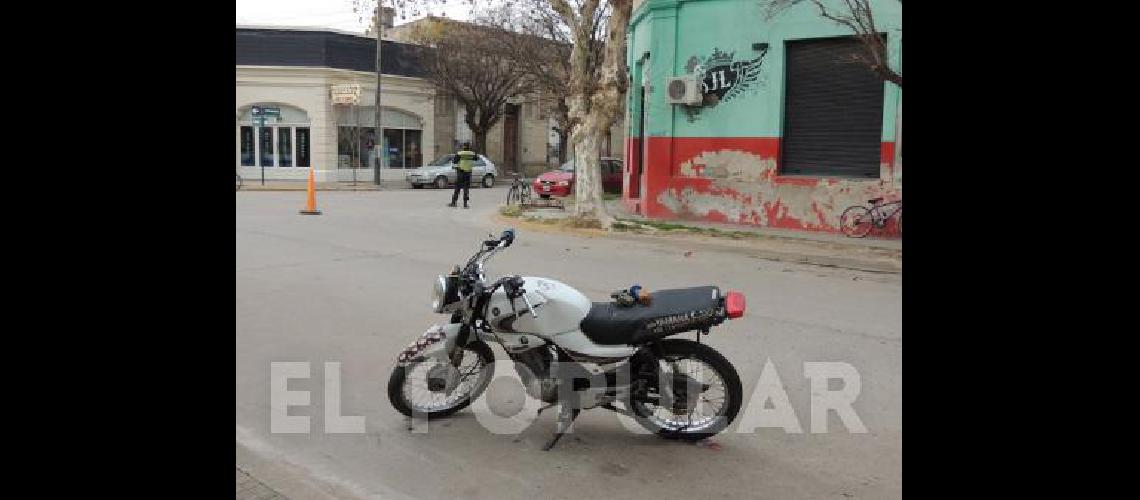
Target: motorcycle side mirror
509	236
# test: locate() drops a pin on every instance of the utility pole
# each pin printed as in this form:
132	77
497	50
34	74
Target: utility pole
378	20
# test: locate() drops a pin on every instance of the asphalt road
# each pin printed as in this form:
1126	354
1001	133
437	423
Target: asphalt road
352	286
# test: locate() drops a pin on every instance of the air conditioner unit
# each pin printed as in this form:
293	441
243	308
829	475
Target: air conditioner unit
683	90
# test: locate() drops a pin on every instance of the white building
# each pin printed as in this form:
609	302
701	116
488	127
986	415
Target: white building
288	75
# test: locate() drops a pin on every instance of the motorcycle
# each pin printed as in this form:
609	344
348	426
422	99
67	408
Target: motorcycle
571	352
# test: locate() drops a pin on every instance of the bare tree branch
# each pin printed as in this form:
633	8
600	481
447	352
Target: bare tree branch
857	17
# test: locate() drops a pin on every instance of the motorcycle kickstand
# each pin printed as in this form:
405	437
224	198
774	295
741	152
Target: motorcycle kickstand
565	420
544	408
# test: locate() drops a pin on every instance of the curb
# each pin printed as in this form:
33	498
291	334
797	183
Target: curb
890	263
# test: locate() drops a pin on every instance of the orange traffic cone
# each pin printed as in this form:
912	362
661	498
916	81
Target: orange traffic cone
311	206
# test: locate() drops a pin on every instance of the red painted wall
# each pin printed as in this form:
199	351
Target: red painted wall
737	180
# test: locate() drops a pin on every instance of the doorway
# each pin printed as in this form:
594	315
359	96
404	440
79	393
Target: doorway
638	165
511	138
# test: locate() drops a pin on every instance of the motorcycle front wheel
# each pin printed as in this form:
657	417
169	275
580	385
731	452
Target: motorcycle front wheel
418	389
713	404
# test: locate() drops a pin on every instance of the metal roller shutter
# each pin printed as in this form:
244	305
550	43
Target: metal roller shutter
833	110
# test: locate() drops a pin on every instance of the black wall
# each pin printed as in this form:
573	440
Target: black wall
271	47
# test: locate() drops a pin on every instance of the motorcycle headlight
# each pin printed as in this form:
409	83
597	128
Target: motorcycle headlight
438	294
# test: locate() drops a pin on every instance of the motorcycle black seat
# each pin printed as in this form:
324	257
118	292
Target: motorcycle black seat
669	312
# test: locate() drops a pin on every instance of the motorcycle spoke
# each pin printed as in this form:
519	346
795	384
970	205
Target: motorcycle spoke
707	405
422	398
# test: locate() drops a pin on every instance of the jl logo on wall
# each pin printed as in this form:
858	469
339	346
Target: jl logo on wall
725	78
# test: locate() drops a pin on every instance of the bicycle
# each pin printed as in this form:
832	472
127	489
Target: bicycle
857	220
238	181
519	192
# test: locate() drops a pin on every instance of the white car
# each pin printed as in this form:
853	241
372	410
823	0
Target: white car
441	173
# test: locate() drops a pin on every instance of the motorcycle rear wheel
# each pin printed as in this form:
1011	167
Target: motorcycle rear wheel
406	377
730	395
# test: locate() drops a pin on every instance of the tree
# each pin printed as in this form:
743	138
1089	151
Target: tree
856	16
542	51
466	63
595	99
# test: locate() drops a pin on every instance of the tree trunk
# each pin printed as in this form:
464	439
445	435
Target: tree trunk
595	110
587	178
479	143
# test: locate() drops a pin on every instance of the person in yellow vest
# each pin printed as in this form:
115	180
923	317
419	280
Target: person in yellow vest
464	164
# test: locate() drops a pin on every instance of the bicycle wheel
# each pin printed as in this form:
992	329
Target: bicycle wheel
513	195
856	221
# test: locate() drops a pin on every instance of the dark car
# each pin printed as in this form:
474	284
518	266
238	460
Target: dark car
561	182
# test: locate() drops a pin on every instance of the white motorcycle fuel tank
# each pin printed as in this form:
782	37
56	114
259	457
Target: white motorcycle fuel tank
559	309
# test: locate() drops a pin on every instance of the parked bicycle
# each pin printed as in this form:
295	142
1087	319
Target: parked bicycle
858	220
238	181
519	192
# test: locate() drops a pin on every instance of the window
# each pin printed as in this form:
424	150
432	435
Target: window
413	155
283	141
247	158
302	146
402	145
442	160
394	148
285	146
833	111
354	147
266	145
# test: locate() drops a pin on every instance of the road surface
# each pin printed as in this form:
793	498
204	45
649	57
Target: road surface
352	286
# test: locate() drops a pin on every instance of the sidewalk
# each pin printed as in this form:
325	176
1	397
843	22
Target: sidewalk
302	185
361	185
878	255
617	209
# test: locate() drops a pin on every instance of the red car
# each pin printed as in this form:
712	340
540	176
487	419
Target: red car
560	182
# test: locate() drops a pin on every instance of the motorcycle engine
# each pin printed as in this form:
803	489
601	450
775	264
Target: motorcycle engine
533	367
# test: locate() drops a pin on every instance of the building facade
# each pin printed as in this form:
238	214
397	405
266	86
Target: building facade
291	72
525	138
789	130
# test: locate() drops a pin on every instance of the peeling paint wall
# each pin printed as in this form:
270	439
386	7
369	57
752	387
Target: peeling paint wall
721	163
736	180
723	183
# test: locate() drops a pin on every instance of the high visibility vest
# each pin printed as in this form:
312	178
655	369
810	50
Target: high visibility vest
466	160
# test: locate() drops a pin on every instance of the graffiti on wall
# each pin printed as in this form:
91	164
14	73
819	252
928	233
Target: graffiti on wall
724	77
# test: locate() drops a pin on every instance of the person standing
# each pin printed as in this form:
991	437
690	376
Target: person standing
464	164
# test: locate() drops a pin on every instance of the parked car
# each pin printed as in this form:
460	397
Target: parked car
561	182
441	173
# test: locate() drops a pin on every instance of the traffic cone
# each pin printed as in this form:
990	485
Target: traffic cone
311	206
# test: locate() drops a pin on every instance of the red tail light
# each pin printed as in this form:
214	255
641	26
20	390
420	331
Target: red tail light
734	304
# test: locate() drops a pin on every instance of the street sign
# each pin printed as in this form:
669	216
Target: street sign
258	111
345	93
